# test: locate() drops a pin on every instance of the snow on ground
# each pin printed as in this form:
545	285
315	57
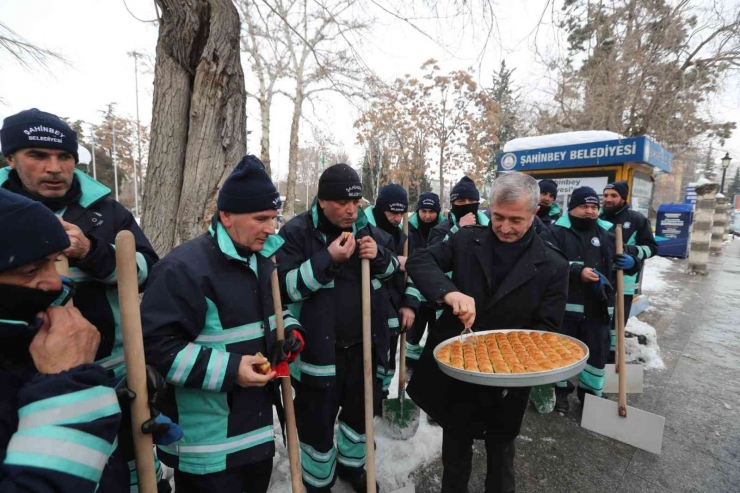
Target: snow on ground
561	139
648	354
654	284
395	460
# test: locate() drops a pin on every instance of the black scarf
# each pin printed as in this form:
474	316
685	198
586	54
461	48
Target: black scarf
505	255
582	223
425	228
544	212
461	211
22	304
74	193
383	223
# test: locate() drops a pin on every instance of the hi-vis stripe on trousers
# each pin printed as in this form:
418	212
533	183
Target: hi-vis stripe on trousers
316	414
595	334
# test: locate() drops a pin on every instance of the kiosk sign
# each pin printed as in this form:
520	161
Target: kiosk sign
634	149
672	229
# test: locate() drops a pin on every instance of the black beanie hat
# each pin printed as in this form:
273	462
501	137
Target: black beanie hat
465	189
549	186
248	189
583	195
392	198
620	187
35	128
339	182
428	200
30	231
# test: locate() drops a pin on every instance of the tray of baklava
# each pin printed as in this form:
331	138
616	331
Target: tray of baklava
511	358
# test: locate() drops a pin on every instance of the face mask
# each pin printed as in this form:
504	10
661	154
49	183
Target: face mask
383	223
544	210
22	303
582	223
461	211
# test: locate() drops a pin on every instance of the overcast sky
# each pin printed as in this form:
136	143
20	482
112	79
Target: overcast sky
95	37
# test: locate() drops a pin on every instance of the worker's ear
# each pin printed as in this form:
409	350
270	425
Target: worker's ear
536	211
225	218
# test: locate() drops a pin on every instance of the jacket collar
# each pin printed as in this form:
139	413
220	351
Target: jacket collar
602	213
92	190
524	269
371	217
227	247
555	209
564	222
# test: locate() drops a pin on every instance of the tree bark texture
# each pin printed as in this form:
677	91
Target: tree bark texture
265	106
198	120
289	207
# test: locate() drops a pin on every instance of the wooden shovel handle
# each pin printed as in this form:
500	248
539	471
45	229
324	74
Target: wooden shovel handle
294	457
133	352
620	330
369	375
402	357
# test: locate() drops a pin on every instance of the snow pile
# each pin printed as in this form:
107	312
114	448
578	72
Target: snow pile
561	139
642	345
703	181
653	275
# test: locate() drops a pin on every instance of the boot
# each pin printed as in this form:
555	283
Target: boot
561	400
357	480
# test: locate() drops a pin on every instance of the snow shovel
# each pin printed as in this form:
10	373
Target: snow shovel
634	375
133	352
627	424
401	414
296	480
369	375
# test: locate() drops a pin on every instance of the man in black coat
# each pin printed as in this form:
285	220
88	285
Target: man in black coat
549	212
464	201
504	276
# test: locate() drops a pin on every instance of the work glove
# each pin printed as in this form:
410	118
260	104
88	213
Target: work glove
162	429
624	261
288	349
602	287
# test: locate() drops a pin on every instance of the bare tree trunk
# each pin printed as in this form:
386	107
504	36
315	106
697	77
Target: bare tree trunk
265	105
441	172
289	208
198	118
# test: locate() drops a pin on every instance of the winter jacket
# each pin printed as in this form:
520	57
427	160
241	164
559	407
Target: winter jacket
583	302
207	307
57	432
446	229
320	291
101	218
416	237
531	296
638	239
400	296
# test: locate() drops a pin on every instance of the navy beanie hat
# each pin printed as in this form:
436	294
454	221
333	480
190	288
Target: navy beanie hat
428	200
392	198
340	182
549	186
620	187
31	231
35	128
248	189
583	195
465	189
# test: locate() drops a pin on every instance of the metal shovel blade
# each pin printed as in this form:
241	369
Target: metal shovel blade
402	416
639	428
634	379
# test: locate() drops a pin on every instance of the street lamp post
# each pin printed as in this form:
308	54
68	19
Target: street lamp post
725	164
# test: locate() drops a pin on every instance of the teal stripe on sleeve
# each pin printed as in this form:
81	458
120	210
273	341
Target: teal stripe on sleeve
291	282
308	278
77	407
574	307
183	364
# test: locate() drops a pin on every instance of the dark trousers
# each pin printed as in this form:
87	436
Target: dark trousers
425	316
457	461
627	309
251	478
595	334
316	413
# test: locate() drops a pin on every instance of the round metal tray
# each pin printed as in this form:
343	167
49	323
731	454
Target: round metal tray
508	379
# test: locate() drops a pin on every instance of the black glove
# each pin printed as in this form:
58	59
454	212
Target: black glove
287	349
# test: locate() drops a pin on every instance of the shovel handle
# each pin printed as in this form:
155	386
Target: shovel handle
294	458
620	330
133	352
368	377
402	357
